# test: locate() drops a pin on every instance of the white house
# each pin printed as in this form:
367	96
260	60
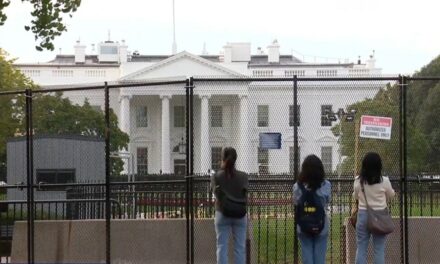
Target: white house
226	113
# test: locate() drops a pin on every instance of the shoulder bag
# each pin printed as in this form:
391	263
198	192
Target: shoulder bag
354	213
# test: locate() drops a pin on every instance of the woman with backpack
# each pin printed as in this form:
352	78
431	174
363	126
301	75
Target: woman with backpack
230	188
311	196
377	189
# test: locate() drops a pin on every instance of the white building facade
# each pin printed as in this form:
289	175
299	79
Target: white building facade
225	114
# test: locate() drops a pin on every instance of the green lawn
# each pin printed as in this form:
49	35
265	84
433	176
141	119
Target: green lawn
273	237
274	240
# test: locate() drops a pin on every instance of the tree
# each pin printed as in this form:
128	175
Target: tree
48	19
10	80
423	113
423	132
52	114
386	104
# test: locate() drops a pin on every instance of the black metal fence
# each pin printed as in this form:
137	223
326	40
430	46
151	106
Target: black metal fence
119	166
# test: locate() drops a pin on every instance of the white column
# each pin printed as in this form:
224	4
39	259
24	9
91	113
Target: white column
166	151
124	113
243	150
205	151
124	123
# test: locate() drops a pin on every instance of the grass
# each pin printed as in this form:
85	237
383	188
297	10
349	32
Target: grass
274	240
11	216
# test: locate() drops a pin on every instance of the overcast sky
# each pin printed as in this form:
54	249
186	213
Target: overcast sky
404	34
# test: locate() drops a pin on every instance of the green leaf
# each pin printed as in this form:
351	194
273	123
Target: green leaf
47	19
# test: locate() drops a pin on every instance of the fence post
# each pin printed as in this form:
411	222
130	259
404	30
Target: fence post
403	83
405	163
107	175
401	180
189	210
191	159
296	161
187	107
30	177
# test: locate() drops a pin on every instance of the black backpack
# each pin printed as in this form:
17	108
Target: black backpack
229	206
310	213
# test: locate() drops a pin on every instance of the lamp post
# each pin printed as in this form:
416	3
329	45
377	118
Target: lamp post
182	147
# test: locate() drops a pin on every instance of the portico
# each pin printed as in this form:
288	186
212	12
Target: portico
154	117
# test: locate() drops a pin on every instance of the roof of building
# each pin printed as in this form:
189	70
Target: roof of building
263	60
69	60
257	61
93	59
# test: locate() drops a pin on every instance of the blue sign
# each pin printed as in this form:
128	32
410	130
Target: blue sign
270	140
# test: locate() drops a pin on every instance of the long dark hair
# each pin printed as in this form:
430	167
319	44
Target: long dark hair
371	171
312	172
229	157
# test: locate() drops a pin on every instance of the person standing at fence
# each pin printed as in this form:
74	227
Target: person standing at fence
230	188
311	196
378	191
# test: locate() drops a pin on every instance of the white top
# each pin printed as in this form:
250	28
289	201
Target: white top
377	194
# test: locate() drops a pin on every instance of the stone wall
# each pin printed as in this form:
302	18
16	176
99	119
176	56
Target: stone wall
424	238
132	241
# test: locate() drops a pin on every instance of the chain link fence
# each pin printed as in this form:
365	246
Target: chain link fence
132	163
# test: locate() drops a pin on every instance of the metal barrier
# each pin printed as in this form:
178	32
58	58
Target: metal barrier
105	159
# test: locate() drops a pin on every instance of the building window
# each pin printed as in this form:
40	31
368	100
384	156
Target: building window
291	73
216	116
325	110
263	116
179	116
142	161
141	116
263	161
216	158
330	73
326	157
55	176
291	115
292	159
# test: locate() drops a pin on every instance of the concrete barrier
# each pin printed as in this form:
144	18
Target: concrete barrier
423	241
132	241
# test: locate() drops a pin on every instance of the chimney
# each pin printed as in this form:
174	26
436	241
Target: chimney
204	51
237	52
227	56
80	53
123	53
371	62
273	51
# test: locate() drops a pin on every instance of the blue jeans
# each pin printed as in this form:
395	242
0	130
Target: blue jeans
313	248
363	239
223	227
